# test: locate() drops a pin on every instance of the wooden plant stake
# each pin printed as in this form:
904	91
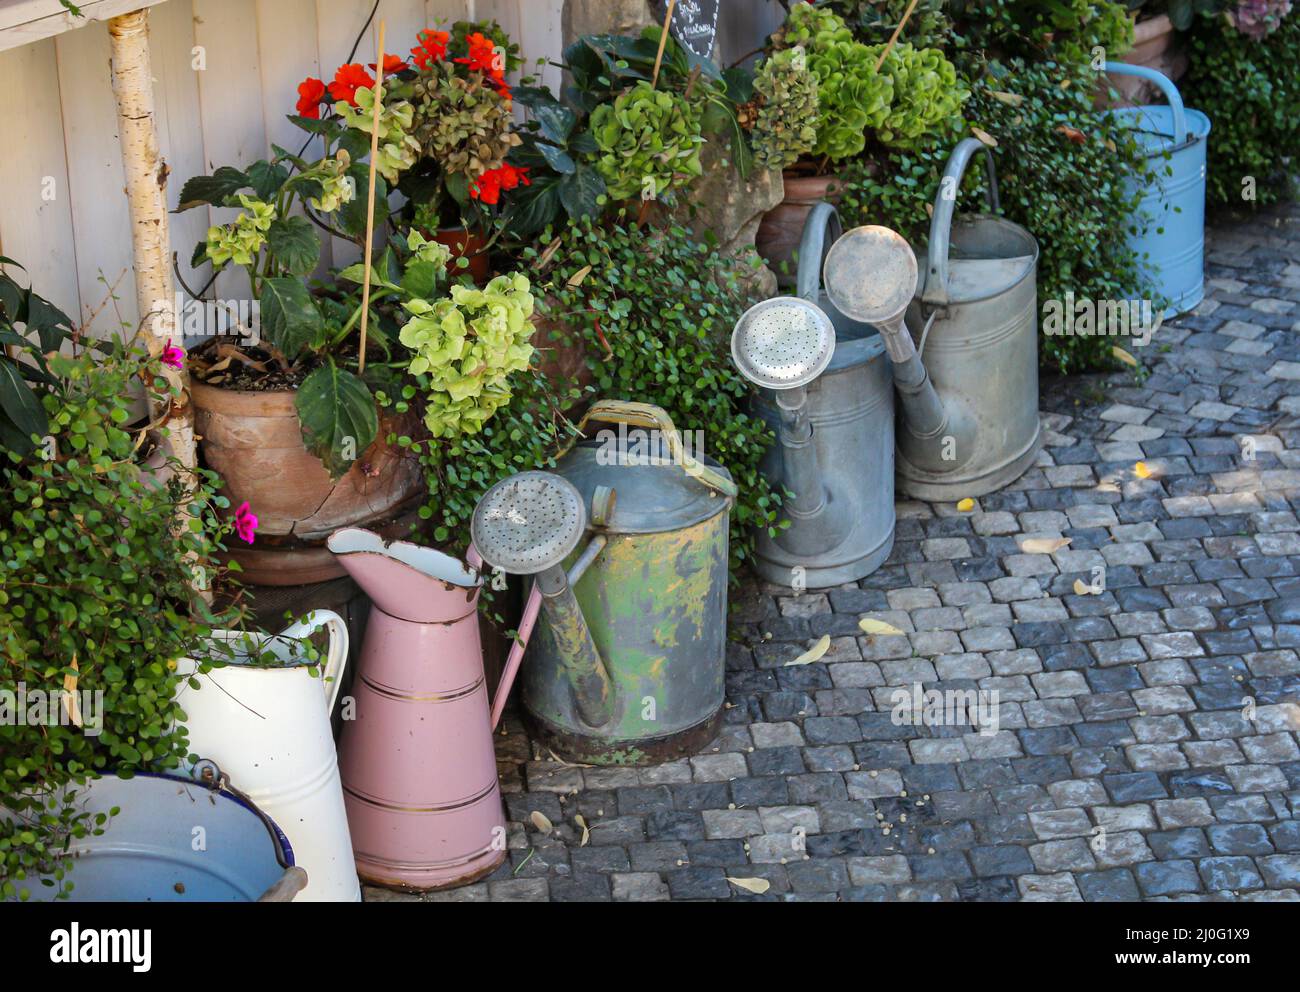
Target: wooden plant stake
663	42
893	39
370	198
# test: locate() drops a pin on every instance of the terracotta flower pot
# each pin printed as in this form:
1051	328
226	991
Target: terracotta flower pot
781	230
254	442
1155	46
467	244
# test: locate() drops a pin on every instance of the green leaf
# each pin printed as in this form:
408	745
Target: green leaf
294	244
290	318
580	193
557	158
267	179
19	402
52	325
338	417
213	190
352	218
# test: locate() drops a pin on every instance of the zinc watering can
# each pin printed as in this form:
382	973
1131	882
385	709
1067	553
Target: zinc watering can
628	661
419	769
178	838
264	718
826	390
1167	230
964	350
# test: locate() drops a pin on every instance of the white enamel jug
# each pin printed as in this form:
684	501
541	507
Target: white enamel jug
268	728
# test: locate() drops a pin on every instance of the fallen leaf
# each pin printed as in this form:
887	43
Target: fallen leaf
1141	470
1043	545
1123	356
984	136
1073	133
870	626
1010	99
541	822
755	885
966	505
581	274
70	701
1107	486
1080	589
814	653
586	833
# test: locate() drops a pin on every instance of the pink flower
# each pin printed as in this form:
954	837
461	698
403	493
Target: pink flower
245	523
173	357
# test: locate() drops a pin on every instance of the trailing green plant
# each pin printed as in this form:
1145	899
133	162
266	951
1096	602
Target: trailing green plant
788	113
1250	90
30	328
97	602
649	143
654	309
1066	31
1181	12
876	20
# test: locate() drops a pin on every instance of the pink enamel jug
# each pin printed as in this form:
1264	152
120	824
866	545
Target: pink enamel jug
417	760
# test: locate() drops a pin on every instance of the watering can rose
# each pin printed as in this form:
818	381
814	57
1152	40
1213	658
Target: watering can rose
468	344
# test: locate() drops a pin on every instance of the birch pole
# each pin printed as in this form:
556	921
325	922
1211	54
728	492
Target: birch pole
146	191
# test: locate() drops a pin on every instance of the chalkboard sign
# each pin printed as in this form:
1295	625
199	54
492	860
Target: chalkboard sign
695	25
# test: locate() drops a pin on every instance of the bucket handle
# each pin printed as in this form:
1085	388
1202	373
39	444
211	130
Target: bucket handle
336	657
1166	86
649	415
822	229
935	287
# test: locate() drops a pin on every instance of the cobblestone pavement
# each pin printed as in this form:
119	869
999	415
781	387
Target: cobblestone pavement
1147	746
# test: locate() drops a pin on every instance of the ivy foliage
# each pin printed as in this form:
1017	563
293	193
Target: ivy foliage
97	569
654	310
1251	92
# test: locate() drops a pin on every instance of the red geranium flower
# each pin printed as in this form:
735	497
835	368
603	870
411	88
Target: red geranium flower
310	94
348	80
392	65
432	47
488	187
484	58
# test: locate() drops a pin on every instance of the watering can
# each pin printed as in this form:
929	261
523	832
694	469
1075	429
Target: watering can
418	764
148	850
1168	227
826	391
628	661
964	351
268	725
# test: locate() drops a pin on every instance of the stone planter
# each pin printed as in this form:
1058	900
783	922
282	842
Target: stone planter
254	442
781	230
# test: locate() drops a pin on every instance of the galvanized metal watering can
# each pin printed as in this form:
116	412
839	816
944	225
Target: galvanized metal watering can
965	351
1168	228
418	764
179	839
628	661
265	719
835	426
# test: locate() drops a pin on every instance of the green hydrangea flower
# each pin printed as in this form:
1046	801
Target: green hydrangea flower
240	241
786	127
644	136
398	147
927	96
337	189
468	344
428	251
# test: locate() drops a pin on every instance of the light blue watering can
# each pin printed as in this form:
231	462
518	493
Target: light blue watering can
1168	227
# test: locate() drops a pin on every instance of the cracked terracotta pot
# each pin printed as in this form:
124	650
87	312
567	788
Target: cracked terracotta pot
254	442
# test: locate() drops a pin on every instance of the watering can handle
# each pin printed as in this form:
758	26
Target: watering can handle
935	286
336	658
1166	86
526	623
820	231
649	415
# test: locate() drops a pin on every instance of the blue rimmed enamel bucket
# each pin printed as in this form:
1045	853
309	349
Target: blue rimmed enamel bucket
178	839
1168	226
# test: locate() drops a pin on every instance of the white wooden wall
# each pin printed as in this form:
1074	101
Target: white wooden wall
63	212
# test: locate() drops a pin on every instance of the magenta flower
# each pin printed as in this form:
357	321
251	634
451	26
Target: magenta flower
245	523
174	357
